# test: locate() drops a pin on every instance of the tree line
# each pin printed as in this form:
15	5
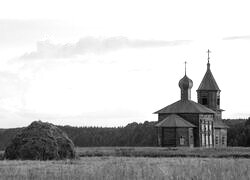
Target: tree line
239	132
134	134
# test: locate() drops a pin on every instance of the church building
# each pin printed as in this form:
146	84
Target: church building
191	124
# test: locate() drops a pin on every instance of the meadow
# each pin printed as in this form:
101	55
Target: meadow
121	168
227	152
117	163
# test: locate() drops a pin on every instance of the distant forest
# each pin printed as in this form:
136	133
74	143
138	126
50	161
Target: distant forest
134	134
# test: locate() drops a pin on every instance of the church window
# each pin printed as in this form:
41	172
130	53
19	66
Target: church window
223	140
218	101
216	140
204	101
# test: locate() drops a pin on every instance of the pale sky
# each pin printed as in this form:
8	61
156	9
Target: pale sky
110	63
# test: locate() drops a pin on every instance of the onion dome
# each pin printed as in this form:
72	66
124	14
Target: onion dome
185	83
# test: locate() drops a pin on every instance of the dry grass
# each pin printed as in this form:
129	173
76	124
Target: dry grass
228	152
120	168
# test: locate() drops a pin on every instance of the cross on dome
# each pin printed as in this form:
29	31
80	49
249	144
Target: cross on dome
185	67
208	57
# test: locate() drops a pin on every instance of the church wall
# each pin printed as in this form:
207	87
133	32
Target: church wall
172	137
212	98
206	130
220	137
162	116
217	139
159	136
182	137
218	115
194	119
224	137
168	136
203	134
191	137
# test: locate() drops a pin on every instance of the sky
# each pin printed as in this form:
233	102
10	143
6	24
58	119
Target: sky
110	63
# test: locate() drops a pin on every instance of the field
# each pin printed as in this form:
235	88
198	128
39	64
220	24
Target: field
136	163
228	152
120	168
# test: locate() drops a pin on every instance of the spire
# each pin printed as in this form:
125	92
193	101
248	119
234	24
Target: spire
185	68
208	82
208	58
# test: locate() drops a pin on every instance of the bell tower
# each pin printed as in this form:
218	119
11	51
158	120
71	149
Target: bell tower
208	92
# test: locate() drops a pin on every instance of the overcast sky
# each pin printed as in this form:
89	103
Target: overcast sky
110	63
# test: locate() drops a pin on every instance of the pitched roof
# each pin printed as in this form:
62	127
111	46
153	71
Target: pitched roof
208	82
174	120
185	106
220	124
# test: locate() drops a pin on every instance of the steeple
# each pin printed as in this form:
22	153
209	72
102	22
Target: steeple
209	92
185	85
185	68
208	58
208	82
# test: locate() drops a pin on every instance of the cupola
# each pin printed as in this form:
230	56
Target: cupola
185	85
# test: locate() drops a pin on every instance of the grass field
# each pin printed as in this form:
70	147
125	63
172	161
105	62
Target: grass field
117	163
228	152
119	168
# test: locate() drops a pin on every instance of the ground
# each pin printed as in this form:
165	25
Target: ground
120	163
227	152
109	168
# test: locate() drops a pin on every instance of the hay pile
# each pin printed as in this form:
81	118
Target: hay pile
40	141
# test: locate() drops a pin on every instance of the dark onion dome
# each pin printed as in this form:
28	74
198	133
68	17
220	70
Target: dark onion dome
208	82
185	107
185	83
174	120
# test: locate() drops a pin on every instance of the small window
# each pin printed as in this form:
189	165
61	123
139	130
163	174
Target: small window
223	140
216	140
204	101
218	101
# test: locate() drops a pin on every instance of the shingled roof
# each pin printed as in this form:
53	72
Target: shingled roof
174	120
208	82
185	106
219	124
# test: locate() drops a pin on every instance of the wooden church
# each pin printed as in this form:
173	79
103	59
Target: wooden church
191	124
